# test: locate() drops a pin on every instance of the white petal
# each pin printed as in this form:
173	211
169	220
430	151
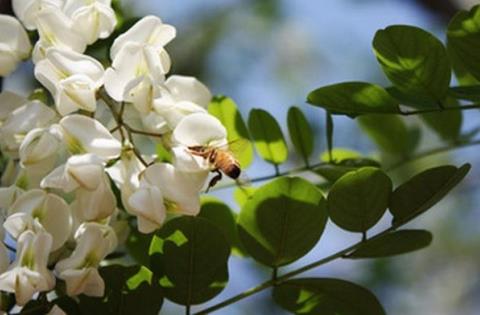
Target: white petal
28	202
4	261
200	129
27	10
14	36
94	21
9	101
97	204
8	195
74	93
56	219
87	281
188	89
39	144
71	62
179	187
149	30
97	140
147	204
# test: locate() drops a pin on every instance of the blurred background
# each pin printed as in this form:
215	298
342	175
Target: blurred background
270	54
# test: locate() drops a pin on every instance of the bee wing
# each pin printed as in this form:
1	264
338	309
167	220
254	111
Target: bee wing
236	147
243	180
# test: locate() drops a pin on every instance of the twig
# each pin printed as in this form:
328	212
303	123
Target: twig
279	280
436	110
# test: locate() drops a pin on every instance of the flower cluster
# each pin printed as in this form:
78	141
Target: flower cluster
66	154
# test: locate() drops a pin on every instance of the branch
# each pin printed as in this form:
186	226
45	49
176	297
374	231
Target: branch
279	280
436	110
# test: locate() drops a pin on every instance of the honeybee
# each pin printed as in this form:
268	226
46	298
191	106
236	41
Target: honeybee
222	158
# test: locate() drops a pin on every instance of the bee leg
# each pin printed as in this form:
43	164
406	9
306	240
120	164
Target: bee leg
214	180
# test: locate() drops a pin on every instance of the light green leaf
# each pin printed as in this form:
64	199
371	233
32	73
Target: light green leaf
128	290
191	269
227	112
463	40
359	199
243	194
395	243
390	133
415	61
423	191
447	124
353	99
282	221
300	132
326	296
267	136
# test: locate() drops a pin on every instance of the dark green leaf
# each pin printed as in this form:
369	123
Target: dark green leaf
268	137
353	99
226	111
330	128
395	243
359	199
325	296
222	216
282	221
189	255
137	246
390	133
463	37
128	290
300	132
423	191
470	93
447	124
332	172
68	305
415	61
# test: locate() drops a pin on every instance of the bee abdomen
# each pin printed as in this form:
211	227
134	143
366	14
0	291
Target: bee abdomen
233	170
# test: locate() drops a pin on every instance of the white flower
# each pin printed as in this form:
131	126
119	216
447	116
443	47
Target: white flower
109	234
28	10
40	147
72	78
37	210
9	101
93	19
180	97
29	274
149	31
56	30
196	130
135	71
80	171
164	188
32	115
8	195
80	270
14	44
83	134
94	199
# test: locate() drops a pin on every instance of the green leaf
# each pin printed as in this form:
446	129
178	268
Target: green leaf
447	124
226	111
268	137
359	199
353	99
300	132
470	93
395	243
330	128
189	255
243	194
463	40
332	172
163	155
137	245
339	154
390	133
223	217
423	191
282	221
326	296
128	290
415	61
